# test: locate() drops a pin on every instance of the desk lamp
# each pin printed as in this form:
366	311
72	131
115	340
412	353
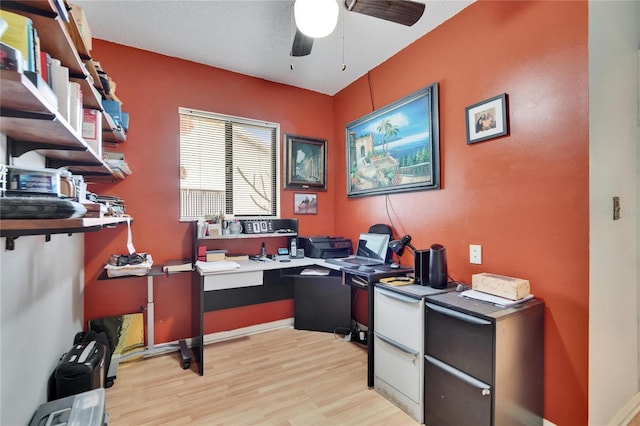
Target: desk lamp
397	246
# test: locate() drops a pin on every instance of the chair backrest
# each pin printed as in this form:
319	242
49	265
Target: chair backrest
381	228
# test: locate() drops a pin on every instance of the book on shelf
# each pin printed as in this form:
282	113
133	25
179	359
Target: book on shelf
45	67
62	10
19	35
116	161
177	265
10	58
43	88
34	53
83	25
75	106
60	85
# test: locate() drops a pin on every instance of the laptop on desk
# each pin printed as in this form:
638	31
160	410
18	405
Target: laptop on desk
371	250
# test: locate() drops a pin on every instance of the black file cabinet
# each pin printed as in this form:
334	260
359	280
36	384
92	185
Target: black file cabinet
483	364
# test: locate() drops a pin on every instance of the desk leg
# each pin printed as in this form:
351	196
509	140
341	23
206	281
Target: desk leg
184	353
184	350
150	315
197	320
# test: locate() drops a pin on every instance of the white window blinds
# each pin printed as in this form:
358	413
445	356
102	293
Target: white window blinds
227	165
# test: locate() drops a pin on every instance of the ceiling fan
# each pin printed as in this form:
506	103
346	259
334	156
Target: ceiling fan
405	12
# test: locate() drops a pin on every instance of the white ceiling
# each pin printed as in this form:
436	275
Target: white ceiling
254	37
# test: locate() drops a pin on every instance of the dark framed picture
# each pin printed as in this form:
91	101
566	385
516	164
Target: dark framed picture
305	163
487	119
304	203
395	148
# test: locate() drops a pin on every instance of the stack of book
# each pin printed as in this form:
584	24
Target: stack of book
21	43
115	160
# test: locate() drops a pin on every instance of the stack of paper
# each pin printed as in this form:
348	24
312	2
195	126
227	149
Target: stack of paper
314	271
218	266
496	300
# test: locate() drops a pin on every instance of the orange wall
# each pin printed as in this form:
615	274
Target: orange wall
152	87
524	197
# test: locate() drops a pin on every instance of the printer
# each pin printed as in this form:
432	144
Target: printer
325	247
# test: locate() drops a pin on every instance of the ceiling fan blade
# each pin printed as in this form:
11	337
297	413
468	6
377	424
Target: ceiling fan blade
403	12
301	44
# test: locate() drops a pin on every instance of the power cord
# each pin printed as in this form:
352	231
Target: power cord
460	286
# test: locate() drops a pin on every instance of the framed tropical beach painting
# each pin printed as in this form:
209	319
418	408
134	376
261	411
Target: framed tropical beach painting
395	148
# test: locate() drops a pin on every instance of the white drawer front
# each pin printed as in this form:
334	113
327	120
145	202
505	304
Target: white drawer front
234	280
401	370
399	318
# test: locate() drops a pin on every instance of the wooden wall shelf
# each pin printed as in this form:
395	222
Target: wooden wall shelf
14	228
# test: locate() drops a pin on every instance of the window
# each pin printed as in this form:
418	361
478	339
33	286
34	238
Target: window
227	165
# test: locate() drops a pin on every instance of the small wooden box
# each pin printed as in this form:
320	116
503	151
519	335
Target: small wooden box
500	285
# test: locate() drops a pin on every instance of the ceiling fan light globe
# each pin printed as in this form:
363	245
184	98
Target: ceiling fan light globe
316	18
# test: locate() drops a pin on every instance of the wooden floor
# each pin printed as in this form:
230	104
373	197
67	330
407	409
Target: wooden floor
281	377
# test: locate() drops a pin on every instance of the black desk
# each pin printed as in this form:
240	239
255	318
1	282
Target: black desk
252	283
371	278
271	281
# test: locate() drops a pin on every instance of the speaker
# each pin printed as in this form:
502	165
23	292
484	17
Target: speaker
421	267
438	274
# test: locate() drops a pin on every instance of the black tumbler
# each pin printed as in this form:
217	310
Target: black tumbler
438	275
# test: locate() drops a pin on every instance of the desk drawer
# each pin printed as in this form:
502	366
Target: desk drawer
463	341
399	367
399	318
454	398
233	280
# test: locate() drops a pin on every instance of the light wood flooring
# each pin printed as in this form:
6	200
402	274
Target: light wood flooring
280	377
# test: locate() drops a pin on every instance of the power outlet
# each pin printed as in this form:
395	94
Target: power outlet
475	254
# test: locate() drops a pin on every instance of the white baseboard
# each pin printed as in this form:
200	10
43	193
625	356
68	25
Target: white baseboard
546	422
163	348
627	413
246	331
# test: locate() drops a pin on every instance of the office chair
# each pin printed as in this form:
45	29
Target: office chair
381	228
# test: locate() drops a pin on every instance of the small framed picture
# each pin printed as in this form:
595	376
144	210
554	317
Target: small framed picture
305	203
487	119
305	163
